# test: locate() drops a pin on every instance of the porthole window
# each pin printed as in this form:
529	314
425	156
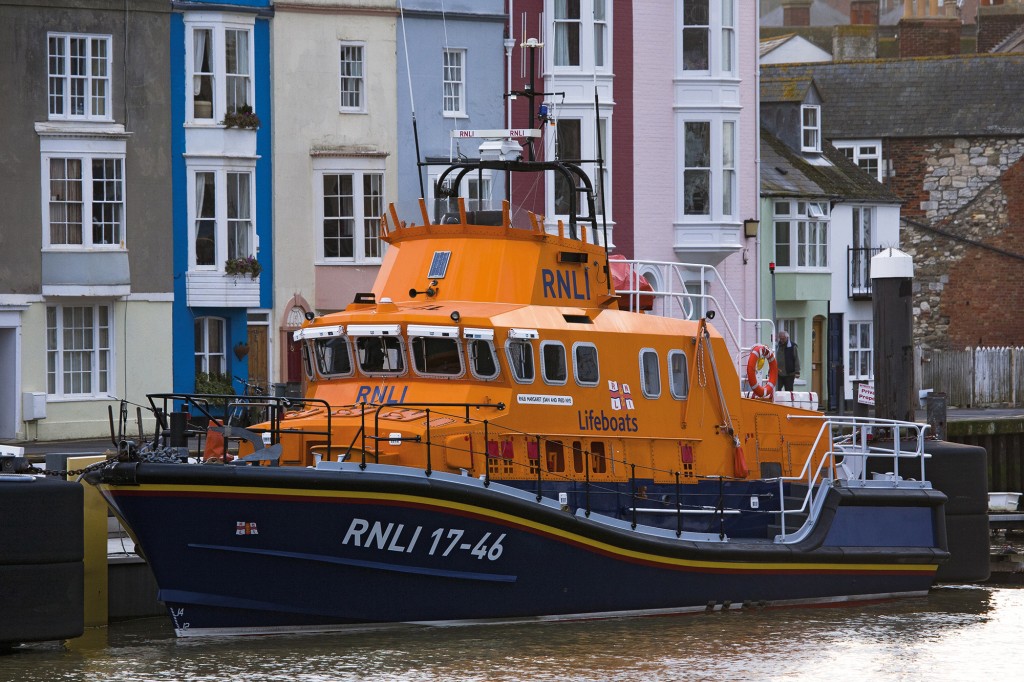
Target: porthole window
678	377
552	362
585	366
650	376
520	360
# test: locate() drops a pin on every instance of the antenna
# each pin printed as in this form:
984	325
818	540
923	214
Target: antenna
600	184
412	102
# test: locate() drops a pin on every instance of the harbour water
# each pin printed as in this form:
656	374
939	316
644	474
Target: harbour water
955	633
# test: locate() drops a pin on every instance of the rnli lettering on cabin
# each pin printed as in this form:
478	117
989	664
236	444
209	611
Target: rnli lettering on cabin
560	283
381	395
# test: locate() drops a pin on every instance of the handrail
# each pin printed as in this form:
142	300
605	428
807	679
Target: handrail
680	301
854	445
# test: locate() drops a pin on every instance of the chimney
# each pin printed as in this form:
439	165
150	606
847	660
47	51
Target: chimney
864	12
930	37
796	12
850	43
996	23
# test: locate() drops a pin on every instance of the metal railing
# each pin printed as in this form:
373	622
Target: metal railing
845	444
858	271
684	290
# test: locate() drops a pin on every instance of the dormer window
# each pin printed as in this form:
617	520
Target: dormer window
810	128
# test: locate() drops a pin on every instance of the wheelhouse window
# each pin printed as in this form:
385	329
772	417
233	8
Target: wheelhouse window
350	202
209	345
353	80
552	362
454	83
79	349
78	77
810	128
222	222
333	356
650	374
219	63
585	364
861	359
483	362
380	355
520	360
678	374
436	356
801	234
86	201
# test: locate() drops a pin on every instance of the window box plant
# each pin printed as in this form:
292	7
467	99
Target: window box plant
243	266
243	118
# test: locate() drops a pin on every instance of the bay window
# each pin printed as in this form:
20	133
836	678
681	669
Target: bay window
801	234
83	200
708	36
581	35
349	206
221	217
567	32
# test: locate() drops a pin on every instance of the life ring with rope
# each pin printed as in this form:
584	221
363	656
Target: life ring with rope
760	355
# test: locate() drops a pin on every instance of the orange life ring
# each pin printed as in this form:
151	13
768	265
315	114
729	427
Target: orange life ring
759	355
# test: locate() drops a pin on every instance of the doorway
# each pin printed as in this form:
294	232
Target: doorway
817	356
259	350
8	383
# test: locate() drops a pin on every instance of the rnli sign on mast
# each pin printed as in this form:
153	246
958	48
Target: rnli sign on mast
497	133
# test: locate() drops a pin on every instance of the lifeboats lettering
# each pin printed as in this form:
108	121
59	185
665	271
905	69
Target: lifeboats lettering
380	395
599	421
563	284
445	542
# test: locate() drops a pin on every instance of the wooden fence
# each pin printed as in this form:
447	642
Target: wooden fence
975	377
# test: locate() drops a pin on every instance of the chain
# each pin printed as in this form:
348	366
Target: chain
126	453
64	473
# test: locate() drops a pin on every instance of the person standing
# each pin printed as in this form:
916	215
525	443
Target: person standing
787	355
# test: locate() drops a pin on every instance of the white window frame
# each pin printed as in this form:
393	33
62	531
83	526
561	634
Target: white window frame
588	150
204	354
810	128
855	351
590	29
720	29
86	151
453	89
218	24
91	78
358	168
807	226
221	168
864	153
467	190
58	356
721	168
359	80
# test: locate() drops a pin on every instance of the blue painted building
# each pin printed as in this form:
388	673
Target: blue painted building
222	189
457	63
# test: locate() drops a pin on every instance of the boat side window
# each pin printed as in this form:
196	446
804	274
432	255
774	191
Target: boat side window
436	356
482	359
650	376
552	362
520	359
584	358
554	455
380	354
598	461
678	376
333	357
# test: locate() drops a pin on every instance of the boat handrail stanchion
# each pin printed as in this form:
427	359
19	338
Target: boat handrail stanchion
487	453
362	432
539	493
679	509
586	470
632	491
721	507
428	471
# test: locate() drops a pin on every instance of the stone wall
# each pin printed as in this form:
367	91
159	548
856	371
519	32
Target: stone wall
964	227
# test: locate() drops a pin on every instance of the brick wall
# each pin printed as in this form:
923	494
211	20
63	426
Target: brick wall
929	37
796	13
994	27
864	12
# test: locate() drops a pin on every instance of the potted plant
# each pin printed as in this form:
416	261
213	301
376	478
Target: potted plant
213	383
243	266
242	118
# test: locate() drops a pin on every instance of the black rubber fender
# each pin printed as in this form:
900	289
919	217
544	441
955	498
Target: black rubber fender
41	521
967	536
41	602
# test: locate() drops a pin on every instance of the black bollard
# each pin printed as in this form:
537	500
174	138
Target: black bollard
179	424
892	275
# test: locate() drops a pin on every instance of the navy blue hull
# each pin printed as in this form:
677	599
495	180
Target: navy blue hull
250	549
